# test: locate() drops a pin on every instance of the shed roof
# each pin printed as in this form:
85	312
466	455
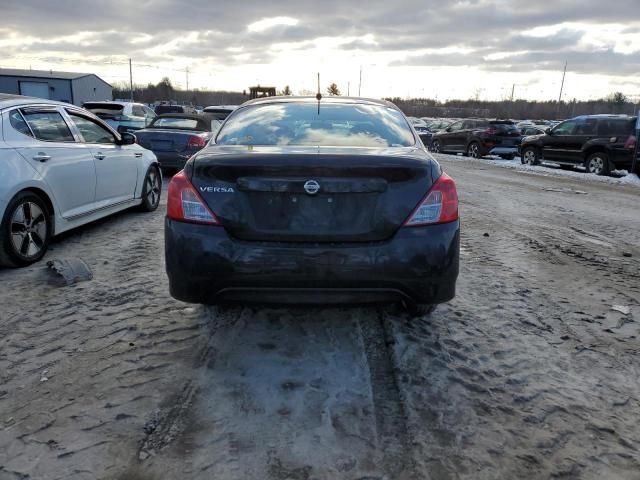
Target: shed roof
17	72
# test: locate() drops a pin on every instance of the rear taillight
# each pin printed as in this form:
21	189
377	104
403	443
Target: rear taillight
196	141
630	144
439	206
185	204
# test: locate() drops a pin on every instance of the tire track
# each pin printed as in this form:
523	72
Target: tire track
389	408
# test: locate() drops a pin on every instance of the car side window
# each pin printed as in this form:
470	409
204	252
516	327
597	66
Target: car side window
587	127
48	126
456	126
611	127
91	131
137	111
18	123
149	113
565	128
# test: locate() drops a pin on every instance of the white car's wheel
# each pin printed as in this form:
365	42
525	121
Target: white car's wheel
152	190
25	231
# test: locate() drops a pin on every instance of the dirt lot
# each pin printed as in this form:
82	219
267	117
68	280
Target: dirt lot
528	373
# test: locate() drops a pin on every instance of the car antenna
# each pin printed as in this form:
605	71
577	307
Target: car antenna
319	95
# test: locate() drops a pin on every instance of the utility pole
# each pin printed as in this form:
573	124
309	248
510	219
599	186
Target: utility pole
187	71
513	89
348	89
562	86
131	80
360	83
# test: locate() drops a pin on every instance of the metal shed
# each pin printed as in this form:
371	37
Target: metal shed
70	87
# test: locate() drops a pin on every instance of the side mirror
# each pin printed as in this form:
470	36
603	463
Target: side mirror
127	139
448	129
548	131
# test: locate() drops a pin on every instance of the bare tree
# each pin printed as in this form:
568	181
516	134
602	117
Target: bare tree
333	90
286	91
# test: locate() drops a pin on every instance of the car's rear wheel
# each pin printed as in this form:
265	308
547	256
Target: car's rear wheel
436	147
25	231
598	163
473	150
530	156
152	190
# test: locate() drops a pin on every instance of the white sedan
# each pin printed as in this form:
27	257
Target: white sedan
62	167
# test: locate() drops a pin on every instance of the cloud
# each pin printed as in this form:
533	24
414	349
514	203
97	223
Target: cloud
491	35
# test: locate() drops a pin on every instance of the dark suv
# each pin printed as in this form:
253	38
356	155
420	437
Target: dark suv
478	137
599	142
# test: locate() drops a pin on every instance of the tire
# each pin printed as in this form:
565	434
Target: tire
435	146
25	230
416	310
530	156
152	190
597	163
473	150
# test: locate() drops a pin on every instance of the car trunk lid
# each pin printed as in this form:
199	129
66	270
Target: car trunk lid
168	140
268	193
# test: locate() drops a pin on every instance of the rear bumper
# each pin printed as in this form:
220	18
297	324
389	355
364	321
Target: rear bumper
172	159
205	265
506	146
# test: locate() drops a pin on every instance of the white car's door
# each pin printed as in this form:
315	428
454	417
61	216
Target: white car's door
116	165
41	135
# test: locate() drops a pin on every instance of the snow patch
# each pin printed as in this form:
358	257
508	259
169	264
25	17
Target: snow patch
549	169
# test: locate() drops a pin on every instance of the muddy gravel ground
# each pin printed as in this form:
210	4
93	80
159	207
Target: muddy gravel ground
529	373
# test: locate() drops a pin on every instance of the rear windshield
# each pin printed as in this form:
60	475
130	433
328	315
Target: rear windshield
107	107
104	110
218	113
176	122
306	124
169	109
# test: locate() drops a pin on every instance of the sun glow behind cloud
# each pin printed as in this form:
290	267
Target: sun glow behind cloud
268	23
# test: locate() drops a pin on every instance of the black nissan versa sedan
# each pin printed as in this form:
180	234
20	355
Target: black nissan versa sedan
304	201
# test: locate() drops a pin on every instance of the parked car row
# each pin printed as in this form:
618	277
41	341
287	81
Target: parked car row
600	143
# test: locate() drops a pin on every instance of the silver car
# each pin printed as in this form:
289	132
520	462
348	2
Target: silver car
122	116
62	167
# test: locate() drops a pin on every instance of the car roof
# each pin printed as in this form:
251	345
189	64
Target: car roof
222	107
9	100
604	115
327	99
193	116
112	102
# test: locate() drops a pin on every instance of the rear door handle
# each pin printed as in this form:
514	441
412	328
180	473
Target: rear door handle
137	155
100	156
42	157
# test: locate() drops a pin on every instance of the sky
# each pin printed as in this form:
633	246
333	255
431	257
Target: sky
441	49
